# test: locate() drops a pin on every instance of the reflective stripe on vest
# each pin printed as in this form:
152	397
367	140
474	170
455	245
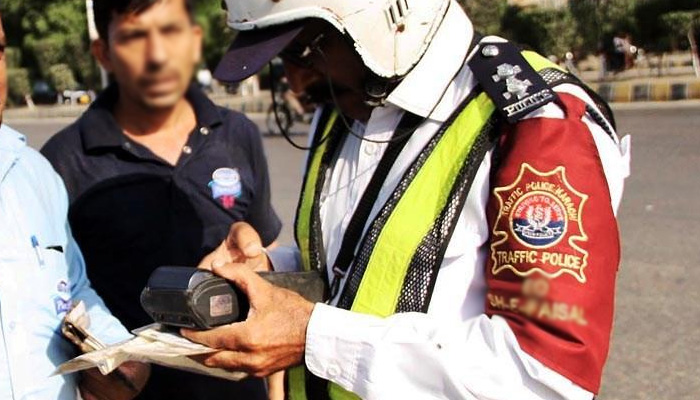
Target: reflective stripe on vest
303	218
296	377
538	62
412	218
418	209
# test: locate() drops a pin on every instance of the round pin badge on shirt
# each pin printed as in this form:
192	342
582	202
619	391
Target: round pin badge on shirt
62	286
226	186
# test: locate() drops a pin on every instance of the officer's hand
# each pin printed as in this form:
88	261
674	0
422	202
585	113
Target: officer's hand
123	384
242	246
273	337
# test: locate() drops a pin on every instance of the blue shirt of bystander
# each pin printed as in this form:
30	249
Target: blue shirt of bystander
41	273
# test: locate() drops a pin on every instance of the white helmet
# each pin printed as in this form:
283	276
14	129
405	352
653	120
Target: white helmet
391	36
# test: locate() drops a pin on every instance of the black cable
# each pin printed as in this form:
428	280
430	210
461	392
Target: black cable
285	131
347	124
474	44
475	40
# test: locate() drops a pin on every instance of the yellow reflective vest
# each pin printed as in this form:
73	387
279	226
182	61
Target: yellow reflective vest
400	255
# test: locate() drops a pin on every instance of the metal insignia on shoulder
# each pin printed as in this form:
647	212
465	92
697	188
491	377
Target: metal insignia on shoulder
489	51
514	86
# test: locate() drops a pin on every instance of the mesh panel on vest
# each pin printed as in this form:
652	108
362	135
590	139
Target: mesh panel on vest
367	246
555	77
317	255
316	143
420	278
370	240
422	273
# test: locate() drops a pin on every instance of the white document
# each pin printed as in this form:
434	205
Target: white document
152	344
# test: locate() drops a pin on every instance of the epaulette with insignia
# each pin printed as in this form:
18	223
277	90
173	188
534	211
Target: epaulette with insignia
510	81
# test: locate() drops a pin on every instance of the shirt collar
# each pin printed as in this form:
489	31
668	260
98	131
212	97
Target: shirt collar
11	140
206	111
98	128
421	90
11	143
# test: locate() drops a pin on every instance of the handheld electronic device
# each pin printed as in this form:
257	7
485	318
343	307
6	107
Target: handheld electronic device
197	299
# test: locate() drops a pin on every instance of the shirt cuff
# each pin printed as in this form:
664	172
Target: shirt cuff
285	259
107	329
333	349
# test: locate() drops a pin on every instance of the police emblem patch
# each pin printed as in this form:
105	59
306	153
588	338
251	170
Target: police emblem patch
538	220
226	186
539	226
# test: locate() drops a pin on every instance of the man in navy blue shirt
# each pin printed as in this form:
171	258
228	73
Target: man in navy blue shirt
156	173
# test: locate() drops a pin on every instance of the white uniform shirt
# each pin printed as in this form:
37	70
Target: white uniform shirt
455	350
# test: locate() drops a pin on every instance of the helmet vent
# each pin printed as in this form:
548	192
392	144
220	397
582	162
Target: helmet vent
396	12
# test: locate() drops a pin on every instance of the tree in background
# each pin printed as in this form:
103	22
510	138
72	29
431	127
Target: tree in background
686	23
487	15
578	28
51	33
61	77
19	84
217	35
662	34
597	21
556	31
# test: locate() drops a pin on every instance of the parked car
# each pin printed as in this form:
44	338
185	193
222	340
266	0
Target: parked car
43	93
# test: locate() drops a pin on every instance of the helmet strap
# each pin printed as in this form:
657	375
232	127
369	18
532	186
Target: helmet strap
377	89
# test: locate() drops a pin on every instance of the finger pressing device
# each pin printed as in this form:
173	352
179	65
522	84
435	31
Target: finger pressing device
197	299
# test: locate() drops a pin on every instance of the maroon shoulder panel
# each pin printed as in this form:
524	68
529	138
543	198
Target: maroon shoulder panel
554	247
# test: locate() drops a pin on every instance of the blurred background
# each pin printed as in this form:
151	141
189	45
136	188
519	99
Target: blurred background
631	51
49	60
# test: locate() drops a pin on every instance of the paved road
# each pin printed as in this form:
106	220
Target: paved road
655	351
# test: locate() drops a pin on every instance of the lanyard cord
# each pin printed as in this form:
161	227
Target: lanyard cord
317	48
408	124
284	130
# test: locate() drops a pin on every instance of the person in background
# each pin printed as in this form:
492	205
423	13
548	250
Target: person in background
42	274
156	173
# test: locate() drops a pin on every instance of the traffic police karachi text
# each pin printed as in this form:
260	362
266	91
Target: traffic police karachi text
561	260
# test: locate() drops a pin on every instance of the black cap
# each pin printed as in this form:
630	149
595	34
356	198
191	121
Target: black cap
251	50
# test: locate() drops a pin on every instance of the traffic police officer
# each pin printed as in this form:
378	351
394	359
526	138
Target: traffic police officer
459	197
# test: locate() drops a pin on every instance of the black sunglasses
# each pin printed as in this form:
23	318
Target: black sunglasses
300	54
